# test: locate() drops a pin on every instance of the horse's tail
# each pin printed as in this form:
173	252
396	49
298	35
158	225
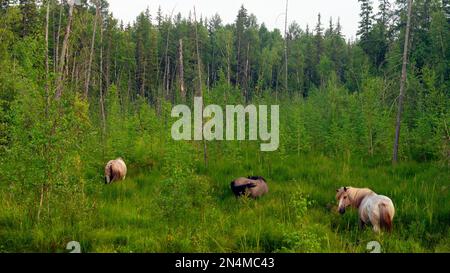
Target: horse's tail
385	218
108	173
241	189
111	174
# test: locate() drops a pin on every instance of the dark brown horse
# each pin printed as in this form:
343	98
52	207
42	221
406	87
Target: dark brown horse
252	186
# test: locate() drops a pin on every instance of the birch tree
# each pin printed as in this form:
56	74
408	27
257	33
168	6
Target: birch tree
402	85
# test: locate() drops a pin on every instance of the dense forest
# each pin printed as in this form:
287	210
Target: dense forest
79	87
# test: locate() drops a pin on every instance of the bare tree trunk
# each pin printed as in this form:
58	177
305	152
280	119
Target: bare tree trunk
62	61
276	86
208	80
229	70
47	68
47	19
108	61
246	83
41	201
200	87
66	69
91	55
166	55
168	79
286	47
58	35
181	68
402	85
238	57
77	75
173	80
102	100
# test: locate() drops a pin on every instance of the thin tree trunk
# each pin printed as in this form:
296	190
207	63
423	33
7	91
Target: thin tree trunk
77	75
58	35
173	79
238	57
47	19
102	100
402	85
41	201
54	39
276	87
286	47
208	80
166	55
168	79
48	199
62	62
66	69
246	83
228	71
181	68
91	55
200	88
108	61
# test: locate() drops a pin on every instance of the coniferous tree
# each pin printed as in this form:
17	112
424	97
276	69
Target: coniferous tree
30	17
319	49
240	44
365	25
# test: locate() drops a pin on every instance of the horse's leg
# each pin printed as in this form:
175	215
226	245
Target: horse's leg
362	225
376	228
375	223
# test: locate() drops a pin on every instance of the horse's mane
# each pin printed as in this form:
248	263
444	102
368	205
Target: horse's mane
357	195
257	178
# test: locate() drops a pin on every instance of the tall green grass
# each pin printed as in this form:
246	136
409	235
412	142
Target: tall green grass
154	211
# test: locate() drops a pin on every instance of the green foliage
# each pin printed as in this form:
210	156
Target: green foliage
300	204
305	241
336	120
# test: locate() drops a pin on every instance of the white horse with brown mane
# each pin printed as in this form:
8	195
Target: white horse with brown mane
373	208
115	170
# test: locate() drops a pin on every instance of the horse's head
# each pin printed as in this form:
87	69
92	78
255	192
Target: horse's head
342	196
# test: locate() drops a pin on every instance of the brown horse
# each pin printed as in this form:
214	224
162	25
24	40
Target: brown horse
252	186
115	170
373	208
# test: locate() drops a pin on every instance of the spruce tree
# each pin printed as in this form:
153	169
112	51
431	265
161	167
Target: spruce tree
30	17
365	25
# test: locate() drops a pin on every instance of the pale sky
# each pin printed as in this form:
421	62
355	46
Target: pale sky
271	12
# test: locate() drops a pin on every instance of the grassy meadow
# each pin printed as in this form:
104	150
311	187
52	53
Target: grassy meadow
171	203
